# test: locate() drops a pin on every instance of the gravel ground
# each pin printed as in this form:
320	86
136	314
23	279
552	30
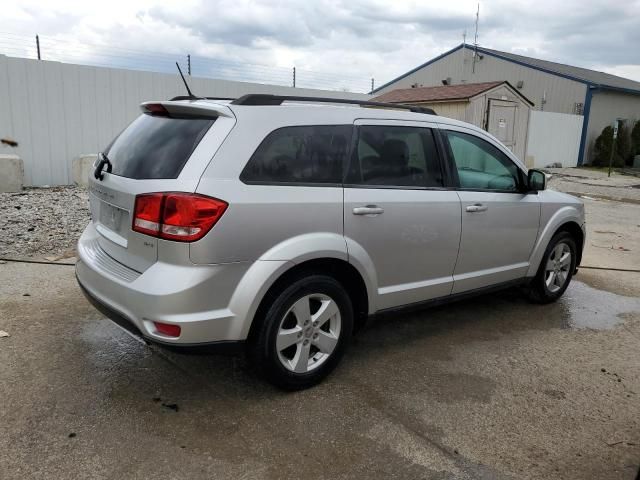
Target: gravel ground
46	222
42	222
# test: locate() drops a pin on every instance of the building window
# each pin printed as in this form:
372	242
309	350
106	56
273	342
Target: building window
578	108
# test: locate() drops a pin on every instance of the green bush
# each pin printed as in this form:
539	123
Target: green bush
635	139
602	147
623	143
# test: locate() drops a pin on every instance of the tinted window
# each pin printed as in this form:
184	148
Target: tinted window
395	156
480	165
313	154
156	147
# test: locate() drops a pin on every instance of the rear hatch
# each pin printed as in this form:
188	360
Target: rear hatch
166	149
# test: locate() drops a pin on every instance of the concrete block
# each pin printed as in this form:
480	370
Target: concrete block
11	173
82	167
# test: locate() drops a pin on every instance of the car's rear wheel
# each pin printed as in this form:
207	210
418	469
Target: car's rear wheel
304	333
556	269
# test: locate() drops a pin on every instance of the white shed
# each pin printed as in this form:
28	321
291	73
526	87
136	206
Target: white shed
496	107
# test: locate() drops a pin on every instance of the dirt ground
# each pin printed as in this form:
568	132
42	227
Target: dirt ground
489	388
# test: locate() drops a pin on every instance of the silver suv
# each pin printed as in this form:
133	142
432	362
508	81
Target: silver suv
285	224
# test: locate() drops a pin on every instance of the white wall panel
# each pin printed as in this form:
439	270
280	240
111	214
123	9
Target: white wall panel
553	138
57	111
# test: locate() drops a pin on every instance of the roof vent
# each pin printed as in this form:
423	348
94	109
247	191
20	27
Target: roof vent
446	81
520	84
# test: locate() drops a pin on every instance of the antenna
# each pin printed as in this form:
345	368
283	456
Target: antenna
475	40
464	55
186	85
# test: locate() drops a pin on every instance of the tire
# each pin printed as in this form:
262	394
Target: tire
304	333
554	275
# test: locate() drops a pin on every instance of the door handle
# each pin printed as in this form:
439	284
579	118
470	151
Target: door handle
368	210
478	207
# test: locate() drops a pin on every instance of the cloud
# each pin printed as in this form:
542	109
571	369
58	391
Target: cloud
336	43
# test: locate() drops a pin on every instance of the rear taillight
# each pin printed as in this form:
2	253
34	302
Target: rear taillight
184	217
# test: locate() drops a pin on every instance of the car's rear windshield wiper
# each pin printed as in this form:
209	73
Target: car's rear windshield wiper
104	160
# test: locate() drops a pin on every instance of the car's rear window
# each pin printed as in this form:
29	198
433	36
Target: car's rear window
156	147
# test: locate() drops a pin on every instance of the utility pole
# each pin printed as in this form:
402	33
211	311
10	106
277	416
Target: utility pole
38	46
294	77
613	145
189	64
372	85
475	40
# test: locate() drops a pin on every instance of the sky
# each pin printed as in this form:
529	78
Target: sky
334	43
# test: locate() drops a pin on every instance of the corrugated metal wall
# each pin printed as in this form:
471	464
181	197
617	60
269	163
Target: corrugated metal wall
59	111
553	138
605	108
561	94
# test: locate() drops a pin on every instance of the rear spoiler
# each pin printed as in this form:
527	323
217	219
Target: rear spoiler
199	109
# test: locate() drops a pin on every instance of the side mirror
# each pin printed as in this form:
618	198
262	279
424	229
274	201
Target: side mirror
536	180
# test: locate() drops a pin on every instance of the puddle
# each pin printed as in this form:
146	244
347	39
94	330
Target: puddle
587	307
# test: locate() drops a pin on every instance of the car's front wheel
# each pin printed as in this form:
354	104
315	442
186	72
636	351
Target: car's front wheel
556	269
304	332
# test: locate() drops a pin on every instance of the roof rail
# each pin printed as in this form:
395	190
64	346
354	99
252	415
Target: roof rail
187	97
266	99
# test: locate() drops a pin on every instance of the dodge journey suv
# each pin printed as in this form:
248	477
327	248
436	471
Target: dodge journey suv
284	222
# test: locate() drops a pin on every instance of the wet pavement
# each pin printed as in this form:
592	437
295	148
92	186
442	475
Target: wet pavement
489	388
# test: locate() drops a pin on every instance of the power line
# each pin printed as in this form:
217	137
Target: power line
54	49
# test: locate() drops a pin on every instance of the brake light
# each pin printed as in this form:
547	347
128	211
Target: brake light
183	217
148	213
156	109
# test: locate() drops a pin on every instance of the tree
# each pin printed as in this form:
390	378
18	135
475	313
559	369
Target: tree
623	142
602	148
635	139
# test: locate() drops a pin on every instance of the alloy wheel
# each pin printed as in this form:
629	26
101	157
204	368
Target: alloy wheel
308	333
557	269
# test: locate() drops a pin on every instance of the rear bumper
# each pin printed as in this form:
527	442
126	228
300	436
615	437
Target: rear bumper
195	297
224	346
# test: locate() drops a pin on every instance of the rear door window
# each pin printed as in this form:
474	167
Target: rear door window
154	147
395	156
300	155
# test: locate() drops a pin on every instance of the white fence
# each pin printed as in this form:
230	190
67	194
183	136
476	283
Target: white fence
57	112
553	138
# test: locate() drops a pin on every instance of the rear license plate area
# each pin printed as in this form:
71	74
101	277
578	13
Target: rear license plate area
112	217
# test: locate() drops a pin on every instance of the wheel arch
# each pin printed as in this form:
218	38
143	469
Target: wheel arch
565	219
576	232
344	272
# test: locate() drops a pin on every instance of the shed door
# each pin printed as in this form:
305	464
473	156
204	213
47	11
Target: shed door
502	122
